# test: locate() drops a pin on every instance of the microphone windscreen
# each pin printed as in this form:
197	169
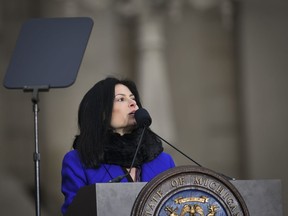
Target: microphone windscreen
142	118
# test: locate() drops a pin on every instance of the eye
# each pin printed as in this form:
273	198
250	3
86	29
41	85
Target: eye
119	99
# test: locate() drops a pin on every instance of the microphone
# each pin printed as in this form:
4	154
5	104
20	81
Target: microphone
144	120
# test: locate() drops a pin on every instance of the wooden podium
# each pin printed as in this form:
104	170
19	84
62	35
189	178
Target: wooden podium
262	197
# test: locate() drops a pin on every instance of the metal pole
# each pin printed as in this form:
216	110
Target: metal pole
36	155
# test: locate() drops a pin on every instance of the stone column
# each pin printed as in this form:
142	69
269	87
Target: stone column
152	74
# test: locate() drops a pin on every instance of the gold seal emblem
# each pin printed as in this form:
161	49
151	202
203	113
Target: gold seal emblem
189	191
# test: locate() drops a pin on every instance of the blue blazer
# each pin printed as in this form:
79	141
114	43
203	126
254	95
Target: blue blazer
75	175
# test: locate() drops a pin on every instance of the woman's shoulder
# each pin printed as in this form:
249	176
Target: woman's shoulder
71	156
71	153
164	159
161	163
165	156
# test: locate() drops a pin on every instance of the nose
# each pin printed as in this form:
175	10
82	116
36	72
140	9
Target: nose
132	103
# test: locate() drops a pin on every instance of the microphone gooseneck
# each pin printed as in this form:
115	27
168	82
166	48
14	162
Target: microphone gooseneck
118	178
145	115
225	176
143	119
176	148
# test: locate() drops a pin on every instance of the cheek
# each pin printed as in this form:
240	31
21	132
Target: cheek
117	118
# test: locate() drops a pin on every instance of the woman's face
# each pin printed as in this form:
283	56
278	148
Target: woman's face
124	107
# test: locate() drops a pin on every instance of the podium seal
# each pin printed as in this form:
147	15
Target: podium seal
189	191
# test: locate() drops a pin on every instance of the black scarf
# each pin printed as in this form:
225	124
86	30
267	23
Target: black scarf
120	150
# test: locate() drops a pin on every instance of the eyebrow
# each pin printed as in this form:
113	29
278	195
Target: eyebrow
124	95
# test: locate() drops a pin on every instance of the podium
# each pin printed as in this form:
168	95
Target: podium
261	197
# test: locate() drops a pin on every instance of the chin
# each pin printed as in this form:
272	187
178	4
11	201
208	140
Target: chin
131	127
132	123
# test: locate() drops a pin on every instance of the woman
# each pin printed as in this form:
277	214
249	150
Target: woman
108	138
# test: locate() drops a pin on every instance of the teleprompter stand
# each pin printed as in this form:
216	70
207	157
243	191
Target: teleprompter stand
48	54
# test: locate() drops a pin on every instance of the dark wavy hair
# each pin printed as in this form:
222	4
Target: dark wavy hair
94	118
